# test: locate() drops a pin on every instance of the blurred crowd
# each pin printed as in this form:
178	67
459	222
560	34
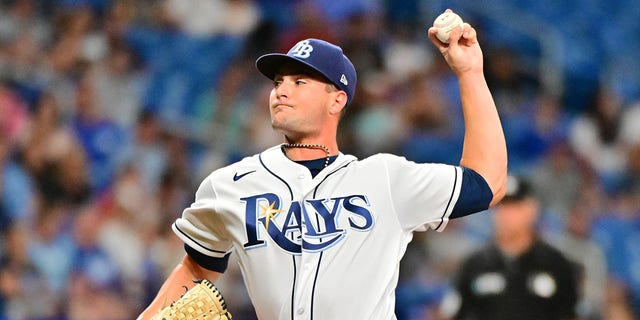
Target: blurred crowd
112	111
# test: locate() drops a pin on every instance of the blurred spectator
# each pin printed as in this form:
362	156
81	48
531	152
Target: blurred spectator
533	130
25	292
597	136
372	123
310	22
221	121
53	156
631	134
45	128
102	140
430	132
95	284
406	55
131	220
118	85
179	66
51	248
630	129
259	131
511	84
97	6
171	197
17	194
65	177
24	34
616	230
57	77
517	275
14	114
363	41
81	37
408	12
558	182
577	245
179	160
632	178
147	153
21	18
162	248
206	18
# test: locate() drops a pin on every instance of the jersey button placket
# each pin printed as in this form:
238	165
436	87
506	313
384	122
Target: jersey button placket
305	284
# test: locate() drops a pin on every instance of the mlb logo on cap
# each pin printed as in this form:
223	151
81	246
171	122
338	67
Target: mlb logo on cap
324	57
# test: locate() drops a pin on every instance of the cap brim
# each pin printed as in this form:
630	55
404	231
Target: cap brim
269	64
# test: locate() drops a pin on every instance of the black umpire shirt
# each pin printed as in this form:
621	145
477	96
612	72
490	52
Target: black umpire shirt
539	284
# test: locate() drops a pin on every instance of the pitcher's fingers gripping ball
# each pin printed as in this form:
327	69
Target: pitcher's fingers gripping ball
202	302
445	23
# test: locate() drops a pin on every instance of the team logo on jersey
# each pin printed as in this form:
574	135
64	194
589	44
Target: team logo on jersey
302	49
310	225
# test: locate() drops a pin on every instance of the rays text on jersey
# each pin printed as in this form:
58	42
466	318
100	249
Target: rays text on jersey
310	225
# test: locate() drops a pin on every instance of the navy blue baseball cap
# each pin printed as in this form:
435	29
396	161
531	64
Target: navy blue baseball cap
321	56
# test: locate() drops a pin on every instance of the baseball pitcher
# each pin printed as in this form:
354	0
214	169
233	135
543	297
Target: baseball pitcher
320	234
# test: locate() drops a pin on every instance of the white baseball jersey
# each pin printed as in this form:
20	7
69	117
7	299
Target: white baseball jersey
327	247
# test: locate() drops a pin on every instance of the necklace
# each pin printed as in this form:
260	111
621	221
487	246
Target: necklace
310	146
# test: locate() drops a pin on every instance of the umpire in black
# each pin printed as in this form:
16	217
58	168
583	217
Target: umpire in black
517	275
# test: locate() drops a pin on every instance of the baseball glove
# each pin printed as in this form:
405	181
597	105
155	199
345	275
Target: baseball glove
202	302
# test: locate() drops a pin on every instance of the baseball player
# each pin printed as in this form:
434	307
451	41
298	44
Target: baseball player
319	234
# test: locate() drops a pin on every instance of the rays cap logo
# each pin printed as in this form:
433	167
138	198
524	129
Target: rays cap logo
323	57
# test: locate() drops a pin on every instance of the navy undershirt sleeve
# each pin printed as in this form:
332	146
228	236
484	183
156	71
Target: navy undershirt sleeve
207	262
475	194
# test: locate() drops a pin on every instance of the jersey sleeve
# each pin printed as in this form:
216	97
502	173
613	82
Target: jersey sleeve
424	194
475	194
201	227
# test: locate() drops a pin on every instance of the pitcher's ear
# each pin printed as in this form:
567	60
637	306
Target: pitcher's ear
339	102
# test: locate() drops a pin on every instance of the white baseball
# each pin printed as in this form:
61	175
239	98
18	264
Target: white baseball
445	23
